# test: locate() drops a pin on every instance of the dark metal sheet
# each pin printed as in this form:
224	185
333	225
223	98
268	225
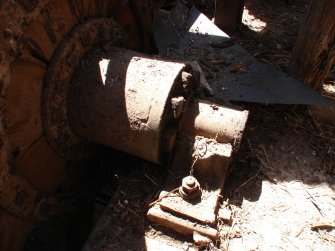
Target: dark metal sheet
255	82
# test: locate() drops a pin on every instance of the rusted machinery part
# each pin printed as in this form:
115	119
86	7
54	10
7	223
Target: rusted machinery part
31	32
130	102
208	137
190	188
224	124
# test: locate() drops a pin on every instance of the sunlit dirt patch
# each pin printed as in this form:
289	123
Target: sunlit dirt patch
252	22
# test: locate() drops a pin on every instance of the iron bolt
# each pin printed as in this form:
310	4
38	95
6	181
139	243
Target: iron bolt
190	182
190	188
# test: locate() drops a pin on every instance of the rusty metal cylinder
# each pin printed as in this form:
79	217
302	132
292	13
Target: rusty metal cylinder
127	101
224	124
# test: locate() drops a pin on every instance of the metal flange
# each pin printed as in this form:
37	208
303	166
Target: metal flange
58	80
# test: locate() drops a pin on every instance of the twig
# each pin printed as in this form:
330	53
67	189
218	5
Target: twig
328	238
147	176
292	145
246	182
267	158
130	210
312	199
322	225
165	195
300	231
252	149
192	167
287	238
238	67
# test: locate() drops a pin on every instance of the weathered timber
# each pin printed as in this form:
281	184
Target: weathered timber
314	52
228	14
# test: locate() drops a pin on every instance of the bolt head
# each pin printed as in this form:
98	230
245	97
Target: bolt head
190	182
190	188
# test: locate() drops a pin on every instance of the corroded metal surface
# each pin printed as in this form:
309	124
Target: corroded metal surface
190	188
209	137
127	101
231	71
207	119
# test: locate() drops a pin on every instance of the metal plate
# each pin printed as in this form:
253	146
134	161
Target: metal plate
259	82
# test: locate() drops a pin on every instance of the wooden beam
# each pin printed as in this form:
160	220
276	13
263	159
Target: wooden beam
228	14
314	52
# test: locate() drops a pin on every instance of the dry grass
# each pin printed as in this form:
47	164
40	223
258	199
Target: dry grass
319	135
277	202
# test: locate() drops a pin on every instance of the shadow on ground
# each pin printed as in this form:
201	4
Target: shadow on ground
281	144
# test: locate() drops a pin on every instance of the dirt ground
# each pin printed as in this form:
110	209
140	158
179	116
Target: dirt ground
282	184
